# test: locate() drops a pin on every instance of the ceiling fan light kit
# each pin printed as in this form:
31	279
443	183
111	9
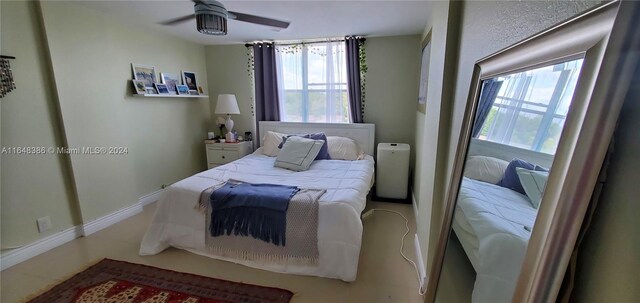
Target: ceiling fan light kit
211	17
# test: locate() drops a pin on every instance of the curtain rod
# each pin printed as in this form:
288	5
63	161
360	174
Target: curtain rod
7	57
362	39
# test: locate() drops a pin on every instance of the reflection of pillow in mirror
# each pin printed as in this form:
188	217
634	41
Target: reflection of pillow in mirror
486	169
511	180
533	183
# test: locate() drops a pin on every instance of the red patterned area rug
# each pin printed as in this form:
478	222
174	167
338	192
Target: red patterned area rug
111	281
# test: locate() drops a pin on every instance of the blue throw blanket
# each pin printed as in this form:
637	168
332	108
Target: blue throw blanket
259	210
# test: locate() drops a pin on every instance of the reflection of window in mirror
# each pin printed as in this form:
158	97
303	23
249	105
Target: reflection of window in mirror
527	109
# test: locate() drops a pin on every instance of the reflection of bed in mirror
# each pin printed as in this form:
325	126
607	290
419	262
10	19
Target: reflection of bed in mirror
493	223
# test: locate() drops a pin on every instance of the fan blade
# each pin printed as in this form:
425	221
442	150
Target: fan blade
258	20
178	20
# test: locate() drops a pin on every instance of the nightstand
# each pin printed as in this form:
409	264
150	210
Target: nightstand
223	153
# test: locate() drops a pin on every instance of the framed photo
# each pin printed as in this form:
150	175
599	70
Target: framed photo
139	86
146	73
162	89
189	79
193	92
171	80
424	73
151	91
182	89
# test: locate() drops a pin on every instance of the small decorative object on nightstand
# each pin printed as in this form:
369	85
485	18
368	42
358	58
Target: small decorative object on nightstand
223	153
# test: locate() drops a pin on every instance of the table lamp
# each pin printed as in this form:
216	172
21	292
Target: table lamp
228	105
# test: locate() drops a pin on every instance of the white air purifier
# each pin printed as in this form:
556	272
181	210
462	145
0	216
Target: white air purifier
392	172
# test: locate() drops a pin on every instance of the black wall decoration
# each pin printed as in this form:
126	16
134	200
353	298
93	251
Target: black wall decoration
6	78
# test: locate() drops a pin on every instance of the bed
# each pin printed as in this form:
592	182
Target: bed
493	224
177	223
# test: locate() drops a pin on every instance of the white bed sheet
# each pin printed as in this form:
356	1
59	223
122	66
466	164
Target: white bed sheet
178	223
498	217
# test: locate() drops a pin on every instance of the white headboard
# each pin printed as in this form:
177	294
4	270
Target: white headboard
363	133
507	153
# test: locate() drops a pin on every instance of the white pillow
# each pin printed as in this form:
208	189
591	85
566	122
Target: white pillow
533	182
342	148
270	142
486	169
298	153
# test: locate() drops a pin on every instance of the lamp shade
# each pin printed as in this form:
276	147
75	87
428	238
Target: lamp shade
227	104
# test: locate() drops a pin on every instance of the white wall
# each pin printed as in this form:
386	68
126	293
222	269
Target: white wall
429	129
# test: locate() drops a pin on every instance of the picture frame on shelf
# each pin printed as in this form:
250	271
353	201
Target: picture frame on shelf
182	89
189	79
193	93
162	89
139	87
171	80
151	91
146	73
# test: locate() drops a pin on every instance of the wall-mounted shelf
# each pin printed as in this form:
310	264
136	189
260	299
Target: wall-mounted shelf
170	96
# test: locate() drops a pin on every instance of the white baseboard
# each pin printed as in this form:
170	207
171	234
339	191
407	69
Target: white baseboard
420	262
43	245
415	205
150	198
110	219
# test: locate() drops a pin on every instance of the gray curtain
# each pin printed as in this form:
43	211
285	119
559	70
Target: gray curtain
266	84
488	94
353	78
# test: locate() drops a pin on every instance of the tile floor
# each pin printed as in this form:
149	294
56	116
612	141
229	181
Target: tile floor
383	276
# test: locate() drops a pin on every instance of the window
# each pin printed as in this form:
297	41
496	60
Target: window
531	107
312	80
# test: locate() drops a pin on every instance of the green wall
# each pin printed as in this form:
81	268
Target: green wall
391	85
74	90
33	186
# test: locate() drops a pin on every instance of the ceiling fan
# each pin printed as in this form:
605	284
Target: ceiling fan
211	18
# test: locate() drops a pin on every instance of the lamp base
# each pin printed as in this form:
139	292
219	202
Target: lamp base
228	123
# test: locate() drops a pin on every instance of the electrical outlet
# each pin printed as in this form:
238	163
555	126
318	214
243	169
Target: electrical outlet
44	224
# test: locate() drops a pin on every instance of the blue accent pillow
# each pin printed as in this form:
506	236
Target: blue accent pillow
324	151
511	180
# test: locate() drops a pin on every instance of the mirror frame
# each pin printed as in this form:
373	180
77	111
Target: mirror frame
602	35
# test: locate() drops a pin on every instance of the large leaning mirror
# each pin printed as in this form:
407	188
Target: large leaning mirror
536	129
